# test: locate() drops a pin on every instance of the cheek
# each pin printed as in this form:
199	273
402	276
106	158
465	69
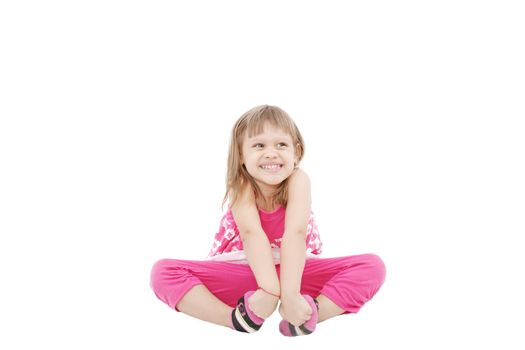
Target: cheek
252	161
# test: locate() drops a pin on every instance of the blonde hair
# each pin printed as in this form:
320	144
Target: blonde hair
252	122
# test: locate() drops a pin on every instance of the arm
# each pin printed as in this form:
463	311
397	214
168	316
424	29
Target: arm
293	245
255	242
259	254
294	307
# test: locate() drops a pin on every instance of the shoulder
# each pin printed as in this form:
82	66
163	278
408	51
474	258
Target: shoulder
299	188
244	212
299	177
298	208
244	195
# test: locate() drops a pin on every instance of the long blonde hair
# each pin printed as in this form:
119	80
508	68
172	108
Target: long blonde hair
252	122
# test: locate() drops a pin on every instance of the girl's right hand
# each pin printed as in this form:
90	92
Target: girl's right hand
262	303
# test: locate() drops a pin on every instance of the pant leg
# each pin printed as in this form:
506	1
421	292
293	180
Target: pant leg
171	279
349	281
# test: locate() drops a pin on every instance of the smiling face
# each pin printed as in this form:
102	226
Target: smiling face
269	157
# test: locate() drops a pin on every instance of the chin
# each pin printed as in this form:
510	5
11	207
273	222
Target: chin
269	183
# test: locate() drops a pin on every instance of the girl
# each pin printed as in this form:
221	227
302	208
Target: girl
267	248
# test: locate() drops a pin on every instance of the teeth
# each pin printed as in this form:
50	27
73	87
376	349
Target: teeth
270	166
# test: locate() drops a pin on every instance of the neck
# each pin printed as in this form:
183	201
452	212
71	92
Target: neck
266	201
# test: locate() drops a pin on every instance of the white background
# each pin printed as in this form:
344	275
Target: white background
114	131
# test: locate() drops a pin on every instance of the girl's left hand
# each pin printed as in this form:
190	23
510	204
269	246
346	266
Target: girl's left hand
295	309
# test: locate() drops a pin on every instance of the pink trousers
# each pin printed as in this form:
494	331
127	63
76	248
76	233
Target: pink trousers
348	281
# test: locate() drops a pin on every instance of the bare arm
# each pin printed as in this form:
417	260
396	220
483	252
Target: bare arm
255	242
293	245
294	308
258	252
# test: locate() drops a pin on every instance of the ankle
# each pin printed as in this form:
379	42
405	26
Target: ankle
228	319
243	317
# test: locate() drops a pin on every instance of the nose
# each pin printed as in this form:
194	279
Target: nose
270	154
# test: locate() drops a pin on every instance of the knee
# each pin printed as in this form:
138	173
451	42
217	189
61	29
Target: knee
159	273
167	273
376	268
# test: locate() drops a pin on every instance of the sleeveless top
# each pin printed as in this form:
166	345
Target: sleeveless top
227	245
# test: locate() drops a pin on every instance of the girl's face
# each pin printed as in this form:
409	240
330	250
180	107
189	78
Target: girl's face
269	157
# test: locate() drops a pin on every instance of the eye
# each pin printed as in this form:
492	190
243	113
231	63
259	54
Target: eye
260	144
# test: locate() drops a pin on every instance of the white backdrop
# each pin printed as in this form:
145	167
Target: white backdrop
114	129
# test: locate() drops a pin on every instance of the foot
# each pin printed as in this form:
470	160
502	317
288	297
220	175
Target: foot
243	317
289	330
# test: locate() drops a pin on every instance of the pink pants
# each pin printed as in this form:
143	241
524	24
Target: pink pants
348	281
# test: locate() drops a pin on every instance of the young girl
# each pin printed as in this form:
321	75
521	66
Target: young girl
267	248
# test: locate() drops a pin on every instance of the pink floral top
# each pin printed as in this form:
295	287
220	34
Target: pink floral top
227	245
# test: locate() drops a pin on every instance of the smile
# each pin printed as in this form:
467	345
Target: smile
274	168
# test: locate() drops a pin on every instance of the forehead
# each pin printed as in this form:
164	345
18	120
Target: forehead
269	132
